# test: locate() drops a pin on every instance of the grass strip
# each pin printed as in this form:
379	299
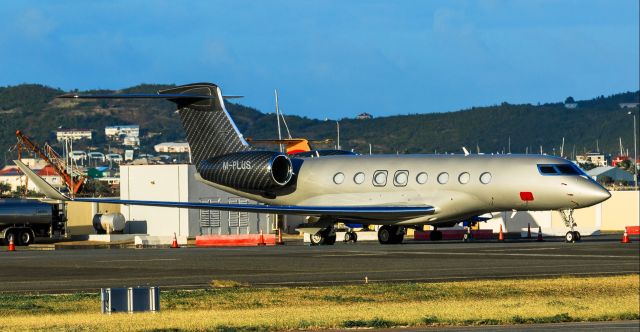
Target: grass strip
236	307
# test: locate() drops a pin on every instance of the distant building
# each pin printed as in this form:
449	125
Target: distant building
364	116
172	147
618	159
595	158
609	173
121	131
73	134
629	105
570	105
131	141
12	176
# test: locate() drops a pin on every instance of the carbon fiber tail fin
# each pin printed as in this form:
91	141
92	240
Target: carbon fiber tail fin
210	130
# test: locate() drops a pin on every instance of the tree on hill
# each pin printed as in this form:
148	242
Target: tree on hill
569	100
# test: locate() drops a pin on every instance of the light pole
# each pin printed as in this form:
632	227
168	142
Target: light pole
635	151
338	130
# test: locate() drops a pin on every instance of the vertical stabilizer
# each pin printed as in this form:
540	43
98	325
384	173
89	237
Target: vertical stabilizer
210	130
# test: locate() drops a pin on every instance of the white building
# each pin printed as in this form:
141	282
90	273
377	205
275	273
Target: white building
115	132
597	159
131	141
628	105
177	183
172	147
12	176
73	134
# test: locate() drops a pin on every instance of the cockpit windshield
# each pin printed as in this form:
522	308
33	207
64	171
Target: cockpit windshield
559	169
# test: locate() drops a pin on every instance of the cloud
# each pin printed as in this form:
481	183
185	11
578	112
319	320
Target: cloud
35	24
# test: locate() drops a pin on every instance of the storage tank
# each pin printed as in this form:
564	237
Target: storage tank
25	211
108	223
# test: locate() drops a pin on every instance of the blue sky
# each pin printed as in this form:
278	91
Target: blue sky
331	58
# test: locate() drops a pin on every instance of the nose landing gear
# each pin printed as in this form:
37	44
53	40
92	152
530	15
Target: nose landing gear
572	235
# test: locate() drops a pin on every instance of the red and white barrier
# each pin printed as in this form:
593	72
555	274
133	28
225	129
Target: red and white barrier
242	240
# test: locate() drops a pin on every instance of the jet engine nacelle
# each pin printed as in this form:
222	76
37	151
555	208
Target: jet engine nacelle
249	170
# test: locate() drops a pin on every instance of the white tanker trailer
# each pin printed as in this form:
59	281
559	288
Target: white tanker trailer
24	219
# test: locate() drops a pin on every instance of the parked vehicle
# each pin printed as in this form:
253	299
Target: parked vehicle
26	219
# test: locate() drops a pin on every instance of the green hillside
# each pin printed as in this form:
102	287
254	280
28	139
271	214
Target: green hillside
34	110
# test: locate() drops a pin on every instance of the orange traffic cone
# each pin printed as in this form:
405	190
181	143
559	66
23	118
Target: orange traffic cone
12	247
529	231
500	235
625	238
280	242
174	243
539	239
262	243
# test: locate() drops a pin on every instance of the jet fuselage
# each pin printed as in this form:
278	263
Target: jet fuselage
458	186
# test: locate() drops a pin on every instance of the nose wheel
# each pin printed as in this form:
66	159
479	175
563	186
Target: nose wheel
572	235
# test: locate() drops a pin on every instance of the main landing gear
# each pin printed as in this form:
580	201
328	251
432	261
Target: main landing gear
572	235
435	234
391	234
350	236
325	236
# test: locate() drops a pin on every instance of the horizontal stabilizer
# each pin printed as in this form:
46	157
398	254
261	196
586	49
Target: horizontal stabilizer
137	96
168	96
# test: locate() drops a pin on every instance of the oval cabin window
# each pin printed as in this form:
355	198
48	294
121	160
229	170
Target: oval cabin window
443	178
464	178
422	178
485	177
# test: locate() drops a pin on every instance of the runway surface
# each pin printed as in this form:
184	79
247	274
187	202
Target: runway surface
297	264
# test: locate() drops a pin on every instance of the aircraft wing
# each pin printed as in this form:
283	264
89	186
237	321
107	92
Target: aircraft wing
341	212
365	212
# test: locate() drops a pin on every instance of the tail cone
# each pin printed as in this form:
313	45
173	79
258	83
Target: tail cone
625	237
174	243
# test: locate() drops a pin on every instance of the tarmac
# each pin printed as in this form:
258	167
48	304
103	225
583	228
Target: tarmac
88	270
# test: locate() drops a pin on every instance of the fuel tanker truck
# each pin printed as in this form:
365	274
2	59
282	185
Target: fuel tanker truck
24	219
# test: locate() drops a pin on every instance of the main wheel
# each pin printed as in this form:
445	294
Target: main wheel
354	237
466	237
317	238
347	237
384	235
577	236
25	238
570	237
398	238
330	240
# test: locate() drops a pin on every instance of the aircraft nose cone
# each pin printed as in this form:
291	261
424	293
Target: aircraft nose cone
596	194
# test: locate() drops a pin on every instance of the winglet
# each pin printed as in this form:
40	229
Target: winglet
43	185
